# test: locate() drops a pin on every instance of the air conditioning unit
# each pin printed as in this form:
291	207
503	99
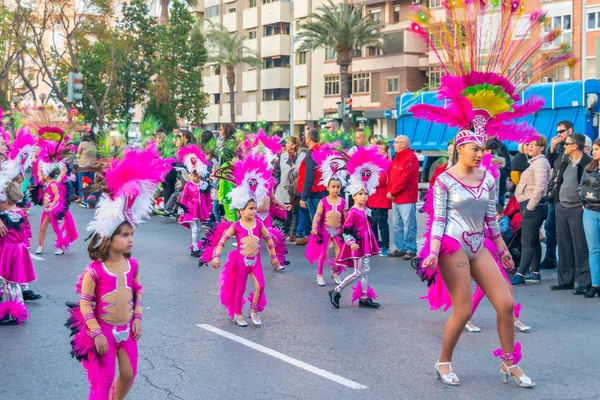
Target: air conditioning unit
416	1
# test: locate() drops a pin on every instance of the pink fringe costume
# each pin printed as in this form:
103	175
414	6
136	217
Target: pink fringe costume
111	297
241	262
193	211
56	208
16	267
328	224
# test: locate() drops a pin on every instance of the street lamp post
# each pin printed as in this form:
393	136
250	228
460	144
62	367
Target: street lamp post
292	63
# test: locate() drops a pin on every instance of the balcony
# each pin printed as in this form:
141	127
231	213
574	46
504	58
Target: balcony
275	12
211	84
251	44
301	9
248	113
301	75
211	21
392	61
300	110
330	102
212	114
211	3
250	81
275	78
230	22
275	111
250	19
225	110
276	45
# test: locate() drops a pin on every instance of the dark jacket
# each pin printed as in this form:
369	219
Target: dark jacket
590	184
556	158
309	177
585	160
506	154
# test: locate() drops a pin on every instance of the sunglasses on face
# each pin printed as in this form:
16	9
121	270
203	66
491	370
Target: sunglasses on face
561	131
568	144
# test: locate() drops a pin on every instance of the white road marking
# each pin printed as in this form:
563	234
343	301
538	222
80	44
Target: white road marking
37	257
273	353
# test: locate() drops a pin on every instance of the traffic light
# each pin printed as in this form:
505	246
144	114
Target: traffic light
347	106
75	89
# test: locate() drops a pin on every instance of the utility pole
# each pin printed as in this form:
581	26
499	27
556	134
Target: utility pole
292	64
584	41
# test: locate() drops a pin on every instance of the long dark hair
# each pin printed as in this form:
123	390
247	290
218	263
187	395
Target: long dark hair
594	164
229	130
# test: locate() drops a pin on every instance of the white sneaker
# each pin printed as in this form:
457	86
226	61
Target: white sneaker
59	252
471	327
320	280
39	250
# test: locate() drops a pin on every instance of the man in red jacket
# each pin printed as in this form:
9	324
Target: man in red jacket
403	190
380	205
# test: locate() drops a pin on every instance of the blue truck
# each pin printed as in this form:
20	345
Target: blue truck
576	101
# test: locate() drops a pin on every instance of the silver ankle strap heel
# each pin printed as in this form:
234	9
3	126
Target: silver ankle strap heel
449	379
522	382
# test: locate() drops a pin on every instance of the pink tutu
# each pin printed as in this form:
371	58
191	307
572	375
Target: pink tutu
15	262
367	247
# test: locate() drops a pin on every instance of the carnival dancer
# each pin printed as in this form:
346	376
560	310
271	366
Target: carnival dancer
327	225
107	323
192	210
252	184
16	267
364	167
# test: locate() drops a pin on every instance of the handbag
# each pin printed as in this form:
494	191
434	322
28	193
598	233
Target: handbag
589	189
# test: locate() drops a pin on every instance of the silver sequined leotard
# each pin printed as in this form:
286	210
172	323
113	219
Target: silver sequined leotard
462	212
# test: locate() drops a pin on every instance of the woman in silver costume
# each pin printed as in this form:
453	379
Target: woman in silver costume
465	243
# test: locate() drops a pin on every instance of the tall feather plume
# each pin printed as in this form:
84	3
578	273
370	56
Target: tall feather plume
364	167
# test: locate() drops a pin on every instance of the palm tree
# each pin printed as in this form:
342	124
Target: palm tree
344	28
164	9
228	50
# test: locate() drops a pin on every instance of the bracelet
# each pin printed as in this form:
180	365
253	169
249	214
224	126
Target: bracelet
89	316
137	316
503	252
274	258
435	253
97	332
138	303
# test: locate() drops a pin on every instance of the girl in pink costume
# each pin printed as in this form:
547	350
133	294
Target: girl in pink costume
108	321
192	210
252	186
364	167
327	224
16	267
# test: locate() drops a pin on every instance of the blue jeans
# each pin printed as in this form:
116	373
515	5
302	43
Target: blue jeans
312	204
216	211
303	222
591	226
380	227
404	229
550	228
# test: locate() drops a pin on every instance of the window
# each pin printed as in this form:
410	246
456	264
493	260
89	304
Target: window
393	84
376	15
276	62
212	11
301	58
357	53
276	95
216	98
361	83
330	54
251	3
231	9
561	22
251	33
332	85
396	14
301	92
435	3
269	1
280	28
373	51
593	21
435	76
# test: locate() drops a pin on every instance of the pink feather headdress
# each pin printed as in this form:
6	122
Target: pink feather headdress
51	156
194	159
364	167
253	181
130	182
262	143
331	163
497	54
20	157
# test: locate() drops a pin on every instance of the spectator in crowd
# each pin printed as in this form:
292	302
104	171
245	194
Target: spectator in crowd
359	140
311	192
573	262
304	222
589	193
380	205
332	125
531	194
503	152
287	162
519	163
403	190
226	134
587	149
86	158
376	139
503	223
555	157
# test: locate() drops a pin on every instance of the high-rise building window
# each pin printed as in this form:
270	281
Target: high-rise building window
393	84
276	95
330	54
251	33
361	83
269	1
231	9
373	51
212	11
562	22
301	58
280	28
332	85
593	20
396	14
435	76
251	3
301	92
276	62
435	3
376	15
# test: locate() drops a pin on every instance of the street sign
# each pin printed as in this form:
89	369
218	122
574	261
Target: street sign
387	114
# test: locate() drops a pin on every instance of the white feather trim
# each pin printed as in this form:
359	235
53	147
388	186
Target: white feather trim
328	173
4	179
356	179
200	168
240	195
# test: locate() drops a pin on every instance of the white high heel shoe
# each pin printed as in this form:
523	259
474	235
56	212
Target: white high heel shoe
521	327
450	379
239	322
522	382
471	327
254	318
39	250
320	280
336	278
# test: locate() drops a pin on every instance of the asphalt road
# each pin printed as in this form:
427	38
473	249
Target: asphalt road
390	351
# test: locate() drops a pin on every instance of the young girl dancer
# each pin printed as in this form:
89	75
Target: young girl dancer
16	267
252	186
193	211
364	167
327	224
108	321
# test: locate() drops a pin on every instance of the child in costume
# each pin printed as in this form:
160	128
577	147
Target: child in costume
191	204
364	167
327	223
107	324
16	267
252	187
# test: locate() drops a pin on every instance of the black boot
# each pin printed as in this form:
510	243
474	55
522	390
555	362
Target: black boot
593	291
71	304
368	303
8	320
195	253
334	297
30	295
